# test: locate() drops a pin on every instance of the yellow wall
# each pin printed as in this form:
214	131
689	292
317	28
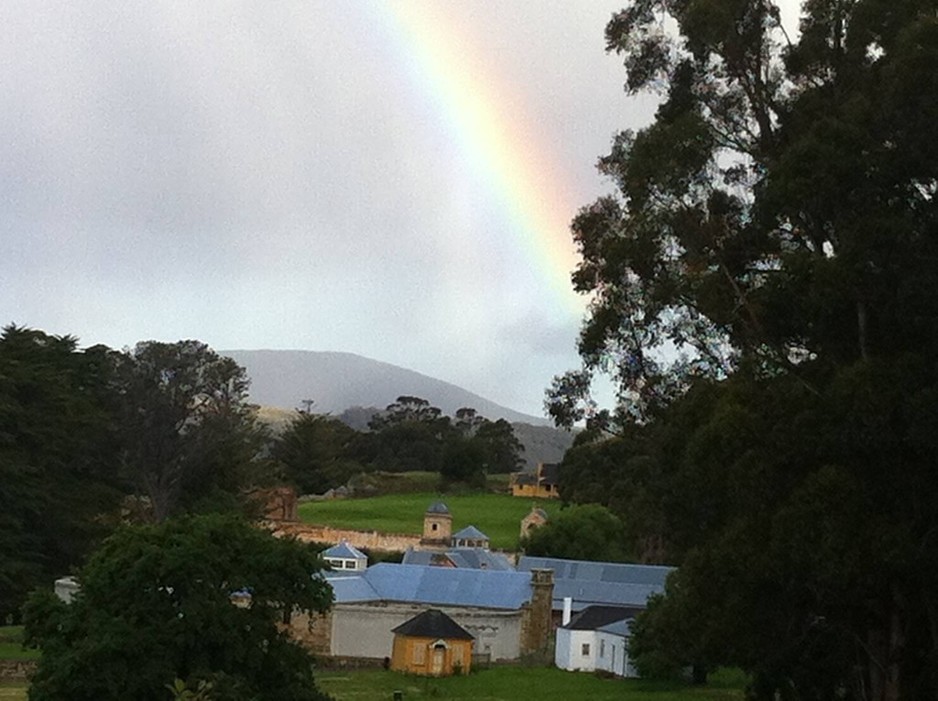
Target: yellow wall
417	656
534	491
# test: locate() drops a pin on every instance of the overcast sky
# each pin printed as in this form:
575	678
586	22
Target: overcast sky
389	179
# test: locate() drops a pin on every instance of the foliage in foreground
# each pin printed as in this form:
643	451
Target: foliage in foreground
766	295
82	428
156	605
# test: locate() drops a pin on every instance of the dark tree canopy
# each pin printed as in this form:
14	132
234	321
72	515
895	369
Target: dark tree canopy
413	435
58	462
587	532
318	452
764	291
186	423
156	605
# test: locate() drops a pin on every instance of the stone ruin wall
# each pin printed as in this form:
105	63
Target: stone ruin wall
372	540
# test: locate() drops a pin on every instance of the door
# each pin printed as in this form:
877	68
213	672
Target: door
436	664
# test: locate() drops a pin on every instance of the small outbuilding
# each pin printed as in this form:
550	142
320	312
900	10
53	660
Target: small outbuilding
345	557
470	537
431	644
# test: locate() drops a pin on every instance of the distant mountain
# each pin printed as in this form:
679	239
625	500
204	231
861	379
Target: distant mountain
338	381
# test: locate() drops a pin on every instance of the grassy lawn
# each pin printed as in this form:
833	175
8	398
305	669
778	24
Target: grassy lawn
11	648
520	684
497	515
500	684
12	691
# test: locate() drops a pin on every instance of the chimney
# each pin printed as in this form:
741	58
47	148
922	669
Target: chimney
536	626
567	609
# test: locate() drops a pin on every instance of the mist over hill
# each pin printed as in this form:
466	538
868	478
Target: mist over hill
353	388
338	381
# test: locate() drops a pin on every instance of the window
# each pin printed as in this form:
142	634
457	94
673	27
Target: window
457	655
602	648
350	564
585	650
418	652
433	527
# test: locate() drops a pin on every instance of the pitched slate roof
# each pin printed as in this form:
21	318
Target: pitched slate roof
473	558
596	617
437	507
608	583
622	628
433	623
549	473
344	551
470	533
442	586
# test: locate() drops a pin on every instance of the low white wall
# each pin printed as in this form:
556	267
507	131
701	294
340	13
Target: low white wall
364	630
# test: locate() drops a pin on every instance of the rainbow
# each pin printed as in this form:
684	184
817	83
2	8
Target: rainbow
475	107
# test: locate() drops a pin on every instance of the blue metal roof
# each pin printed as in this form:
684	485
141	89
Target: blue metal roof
470	533
437	507
345	551
473	558
479	559
349	588
622	628
610	583
435	585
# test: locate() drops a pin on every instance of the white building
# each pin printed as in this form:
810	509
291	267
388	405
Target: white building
345	557
596	638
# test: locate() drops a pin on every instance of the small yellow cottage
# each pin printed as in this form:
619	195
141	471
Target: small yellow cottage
431	644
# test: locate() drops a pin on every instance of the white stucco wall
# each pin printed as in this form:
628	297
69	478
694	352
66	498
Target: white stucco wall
568	652
607	651
364	630
613	654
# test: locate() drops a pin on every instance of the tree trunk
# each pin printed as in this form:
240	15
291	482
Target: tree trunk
862	338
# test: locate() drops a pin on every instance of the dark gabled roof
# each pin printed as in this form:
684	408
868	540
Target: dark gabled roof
593	617
433	623
521	478
550	473
437	507
470	533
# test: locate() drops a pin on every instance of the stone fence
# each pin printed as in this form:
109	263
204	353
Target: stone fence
372	540
17	670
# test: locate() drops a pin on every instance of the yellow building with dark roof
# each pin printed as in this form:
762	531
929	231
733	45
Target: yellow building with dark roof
431	644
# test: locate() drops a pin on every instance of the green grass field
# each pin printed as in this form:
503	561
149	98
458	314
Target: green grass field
12	691
500	684
497	515
11	647
520	684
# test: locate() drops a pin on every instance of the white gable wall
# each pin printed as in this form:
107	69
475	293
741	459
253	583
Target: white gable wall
613	654
569	650
606	651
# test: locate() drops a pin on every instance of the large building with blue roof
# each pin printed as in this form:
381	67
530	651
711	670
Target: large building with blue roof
588	583
507	612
